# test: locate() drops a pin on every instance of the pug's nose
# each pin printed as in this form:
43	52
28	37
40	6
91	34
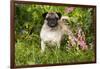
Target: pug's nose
52	24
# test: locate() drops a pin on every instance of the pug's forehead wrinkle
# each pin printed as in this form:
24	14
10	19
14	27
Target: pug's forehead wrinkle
52	15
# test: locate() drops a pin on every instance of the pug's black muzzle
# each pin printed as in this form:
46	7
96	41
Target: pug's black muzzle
52	23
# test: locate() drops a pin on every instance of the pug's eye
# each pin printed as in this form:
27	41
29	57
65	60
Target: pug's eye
57	18
65	20
47	18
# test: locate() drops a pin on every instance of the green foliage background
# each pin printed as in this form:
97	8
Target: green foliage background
28	23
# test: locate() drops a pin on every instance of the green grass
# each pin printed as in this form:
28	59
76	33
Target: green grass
29	52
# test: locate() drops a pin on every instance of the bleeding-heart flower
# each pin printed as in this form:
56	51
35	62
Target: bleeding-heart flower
81	40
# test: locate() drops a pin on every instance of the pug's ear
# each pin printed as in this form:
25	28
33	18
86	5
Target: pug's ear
44	14
59	14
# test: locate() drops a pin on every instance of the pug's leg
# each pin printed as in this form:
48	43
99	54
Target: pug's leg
42	46
58	44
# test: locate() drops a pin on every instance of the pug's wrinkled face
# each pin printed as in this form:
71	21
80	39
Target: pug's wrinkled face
52	18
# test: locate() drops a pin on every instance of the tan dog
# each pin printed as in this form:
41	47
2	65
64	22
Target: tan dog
52	30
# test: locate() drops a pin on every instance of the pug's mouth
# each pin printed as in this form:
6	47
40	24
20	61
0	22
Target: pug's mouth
52	25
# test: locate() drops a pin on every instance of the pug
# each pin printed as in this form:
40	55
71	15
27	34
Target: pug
52	30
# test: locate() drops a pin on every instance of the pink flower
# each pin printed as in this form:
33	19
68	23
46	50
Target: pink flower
82	44
69	9
81	40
